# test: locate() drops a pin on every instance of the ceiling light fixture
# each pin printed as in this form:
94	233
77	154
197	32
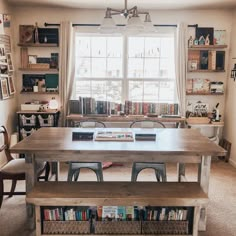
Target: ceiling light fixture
134	24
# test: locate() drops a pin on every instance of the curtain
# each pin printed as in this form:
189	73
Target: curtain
67	67
181	66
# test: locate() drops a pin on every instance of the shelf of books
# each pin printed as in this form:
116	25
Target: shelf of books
118	220
117	208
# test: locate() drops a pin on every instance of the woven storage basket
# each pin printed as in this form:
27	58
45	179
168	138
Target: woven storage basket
118	227
165	227
66	227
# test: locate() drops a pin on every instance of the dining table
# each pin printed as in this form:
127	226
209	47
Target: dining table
169	145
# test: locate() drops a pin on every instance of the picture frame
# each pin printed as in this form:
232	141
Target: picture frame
4	88
2	51
192	65
26	34
11	85
204	31
32	59
9	62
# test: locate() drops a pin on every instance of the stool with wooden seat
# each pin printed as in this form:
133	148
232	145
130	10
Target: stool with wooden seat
160	168
74	167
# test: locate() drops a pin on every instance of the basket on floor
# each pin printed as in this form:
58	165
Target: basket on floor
177	227
117	227
66	227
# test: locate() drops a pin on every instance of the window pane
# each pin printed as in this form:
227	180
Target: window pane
152	47
167	91
83	66
98	45
151	68
151	91
136	90
135	68
114	91
114	67
99	90
136	47
83	47
114	47
98	67
82	89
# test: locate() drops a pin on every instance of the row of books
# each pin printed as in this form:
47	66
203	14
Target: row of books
66	214
165	213
88	105
116	213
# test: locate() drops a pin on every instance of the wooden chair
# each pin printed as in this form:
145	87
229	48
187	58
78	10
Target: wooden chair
74	167
160	168
15	169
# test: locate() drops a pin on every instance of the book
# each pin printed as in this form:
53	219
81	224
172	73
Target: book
121	213
130	213
109	213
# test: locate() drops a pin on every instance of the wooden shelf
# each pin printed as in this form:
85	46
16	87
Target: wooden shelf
39	92
204	94
207	47
206	71
39	69
38	45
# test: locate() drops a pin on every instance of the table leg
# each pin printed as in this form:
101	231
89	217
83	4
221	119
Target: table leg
203	179
181	172
55	169
30	179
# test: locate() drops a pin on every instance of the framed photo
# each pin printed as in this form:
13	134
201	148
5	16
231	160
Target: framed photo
192	65
26	33
204	31
11	85
3	69
9	62
2	52
32	59
4	88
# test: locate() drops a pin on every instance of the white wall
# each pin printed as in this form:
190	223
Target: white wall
8	106
230	110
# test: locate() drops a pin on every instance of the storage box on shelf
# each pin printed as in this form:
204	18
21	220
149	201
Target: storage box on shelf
120	194
29	121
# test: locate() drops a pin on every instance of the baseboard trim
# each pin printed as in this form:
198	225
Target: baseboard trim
233	163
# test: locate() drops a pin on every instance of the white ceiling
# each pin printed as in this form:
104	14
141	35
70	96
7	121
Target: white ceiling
142	4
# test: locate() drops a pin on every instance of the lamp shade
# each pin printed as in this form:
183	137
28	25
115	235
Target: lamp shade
53	104
108	25
134	24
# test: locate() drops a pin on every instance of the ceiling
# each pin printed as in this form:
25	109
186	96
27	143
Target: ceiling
142	4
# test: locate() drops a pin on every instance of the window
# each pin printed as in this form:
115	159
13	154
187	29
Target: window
119	68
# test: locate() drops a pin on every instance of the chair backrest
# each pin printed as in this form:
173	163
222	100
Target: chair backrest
90	124
5	146
147	124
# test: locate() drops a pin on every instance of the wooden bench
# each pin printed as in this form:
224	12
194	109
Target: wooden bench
187	194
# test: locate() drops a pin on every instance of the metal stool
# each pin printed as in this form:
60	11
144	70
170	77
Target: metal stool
160	168
74	167
74	170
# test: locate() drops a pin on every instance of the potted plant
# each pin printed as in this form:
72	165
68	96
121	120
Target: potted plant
43	87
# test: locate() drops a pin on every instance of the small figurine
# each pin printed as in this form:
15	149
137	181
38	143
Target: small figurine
201	40
207	40
195	42
190	42
36	33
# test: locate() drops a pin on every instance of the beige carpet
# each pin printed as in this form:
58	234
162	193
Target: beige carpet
221	219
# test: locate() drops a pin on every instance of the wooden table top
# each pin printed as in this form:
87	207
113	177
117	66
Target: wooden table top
168	142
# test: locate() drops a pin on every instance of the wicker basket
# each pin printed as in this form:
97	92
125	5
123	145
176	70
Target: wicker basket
165	227
66	227
118	227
